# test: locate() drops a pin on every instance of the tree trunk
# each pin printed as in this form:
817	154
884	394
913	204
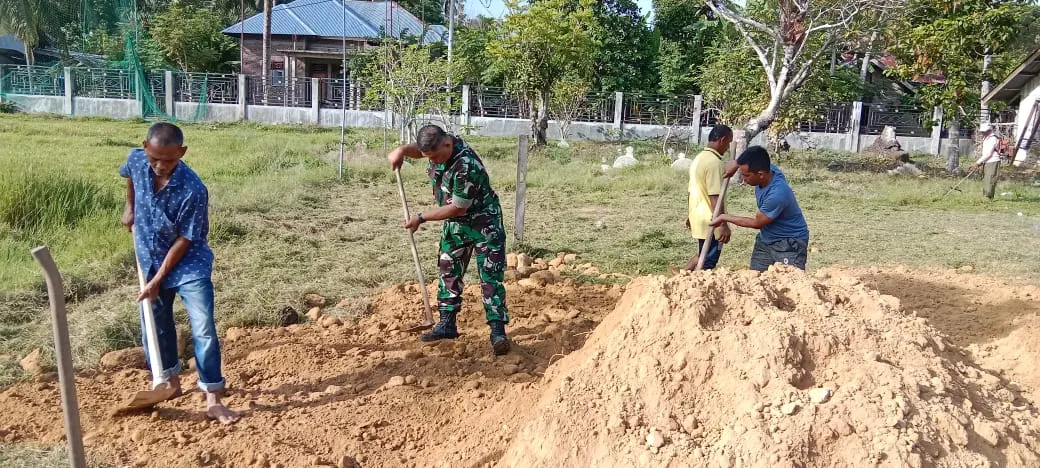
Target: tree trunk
834	61
764	120
265	56
540	120
983	108
953	153
865	66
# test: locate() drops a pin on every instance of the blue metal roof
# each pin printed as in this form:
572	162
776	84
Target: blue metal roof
325	18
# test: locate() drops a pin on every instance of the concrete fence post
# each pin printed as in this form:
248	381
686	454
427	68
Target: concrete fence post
466	121
316	100
170	97
855	126
243	91
935	146
698	104
69	92
619	102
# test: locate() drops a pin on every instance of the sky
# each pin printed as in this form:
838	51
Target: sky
497	9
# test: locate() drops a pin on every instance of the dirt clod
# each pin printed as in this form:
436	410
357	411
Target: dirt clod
130	358
31	362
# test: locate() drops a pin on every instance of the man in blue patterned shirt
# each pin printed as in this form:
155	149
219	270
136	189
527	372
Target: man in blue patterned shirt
167	210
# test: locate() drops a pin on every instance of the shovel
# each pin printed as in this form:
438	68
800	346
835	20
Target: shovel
161	389
427	322
711	231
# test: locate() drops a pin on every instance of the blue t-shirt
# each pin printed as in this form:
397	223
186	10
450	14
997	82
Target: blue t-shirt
777	201
181	208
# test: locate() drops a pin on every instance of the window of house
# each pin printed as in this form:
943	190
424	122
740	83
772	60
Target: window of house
277	73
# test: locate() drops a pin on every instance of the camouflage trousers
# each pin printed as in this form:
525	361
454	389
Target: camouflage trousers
458	241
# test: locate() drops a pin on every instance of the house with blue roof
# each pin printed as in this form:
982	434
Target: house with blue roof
307	35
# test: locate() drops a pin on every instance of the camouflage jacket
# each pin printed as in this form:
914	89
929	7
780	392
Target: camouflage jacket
464	181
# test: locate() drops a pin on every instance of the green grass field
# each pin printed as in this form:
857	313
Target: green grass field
282	225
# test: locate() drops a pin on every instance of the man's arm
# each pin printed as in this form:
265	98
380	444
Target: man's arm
173	257
724	232
396	157
128	211
758	222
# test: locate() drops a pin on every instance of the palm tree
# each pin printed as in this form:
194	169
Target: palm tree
25	20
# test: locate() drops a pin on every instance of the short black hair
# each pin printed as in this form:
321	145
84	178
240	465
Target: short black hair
756	158
429	137
719	132
165	134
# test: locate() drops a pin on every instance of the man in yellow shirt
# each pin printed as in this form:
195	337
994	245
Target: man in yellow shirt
706	173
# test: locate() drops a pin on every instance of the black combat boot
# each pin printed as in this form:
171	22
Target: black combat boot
444	330
499	341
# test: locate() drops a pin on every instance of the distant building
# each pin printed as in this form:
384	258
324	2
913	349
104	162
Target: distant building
307	35
1021	90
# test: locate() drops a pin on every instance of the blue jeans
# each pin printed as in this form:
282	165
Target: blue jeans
197	297
714	252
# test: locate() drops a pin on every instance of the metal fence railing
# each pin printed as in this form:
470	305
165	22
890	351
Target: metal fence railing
597	106
103	83
496	102
332	90
32	80
492	102
658	109
835	118
907	120
210	88
293	92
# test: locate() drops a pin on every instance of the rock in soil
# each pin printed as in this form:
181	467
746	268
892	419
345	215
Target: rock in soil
31	362
314	300
130	358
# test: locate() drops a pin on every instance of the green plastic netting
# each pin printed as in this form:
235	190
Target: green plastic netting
102	41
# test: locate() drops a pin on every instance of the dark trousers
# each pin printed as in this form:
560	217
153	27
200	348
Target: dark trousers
793	252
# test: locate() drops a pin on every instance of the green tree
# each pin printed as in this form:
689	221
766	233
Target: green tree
29	21
733	83
190	38
627	52
412	83
789	38
952	40
537	46
471	52
685	35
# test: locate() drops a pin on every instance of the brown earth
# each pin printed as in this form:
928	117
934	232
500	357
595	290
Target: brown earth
729	368
308	391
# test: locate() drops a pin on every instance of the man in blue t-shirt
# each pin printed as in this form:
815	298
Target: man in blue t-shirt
783	235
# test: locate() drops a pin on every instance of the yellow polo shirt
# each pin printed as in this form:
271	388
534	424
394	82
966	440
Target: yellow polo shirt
706	173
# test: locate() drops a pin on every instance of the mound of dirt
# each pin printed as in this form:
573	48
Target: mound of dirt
326	394
779	369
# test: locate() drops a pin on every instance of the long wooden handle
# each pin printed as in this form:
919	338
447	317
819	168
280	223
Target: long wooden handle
711	229
151	336
415	251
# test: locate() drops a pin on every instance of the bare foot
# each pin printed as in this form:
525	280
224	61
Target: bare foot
222	413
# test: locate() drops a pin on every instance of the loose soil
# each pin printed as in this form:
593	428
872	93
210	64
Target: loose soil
722	368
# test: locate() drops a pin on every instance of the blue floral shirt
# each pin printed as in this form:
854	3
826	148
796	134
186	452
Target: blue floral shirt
181	208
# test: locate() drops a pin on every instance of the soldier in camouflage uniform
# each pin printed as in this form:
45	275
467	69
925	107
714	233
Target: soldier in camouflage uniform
472	219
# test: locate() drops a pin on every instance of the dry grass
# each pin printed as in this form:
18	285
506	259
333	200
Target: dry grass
283	226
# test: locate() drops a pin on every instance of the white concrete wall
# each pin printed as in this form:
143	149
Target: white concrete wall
1030	95
111	108
212	112
38	104
280	115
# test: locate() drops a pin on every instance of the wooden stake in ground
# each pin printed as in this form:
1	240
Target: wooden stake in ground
521	189
69	404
